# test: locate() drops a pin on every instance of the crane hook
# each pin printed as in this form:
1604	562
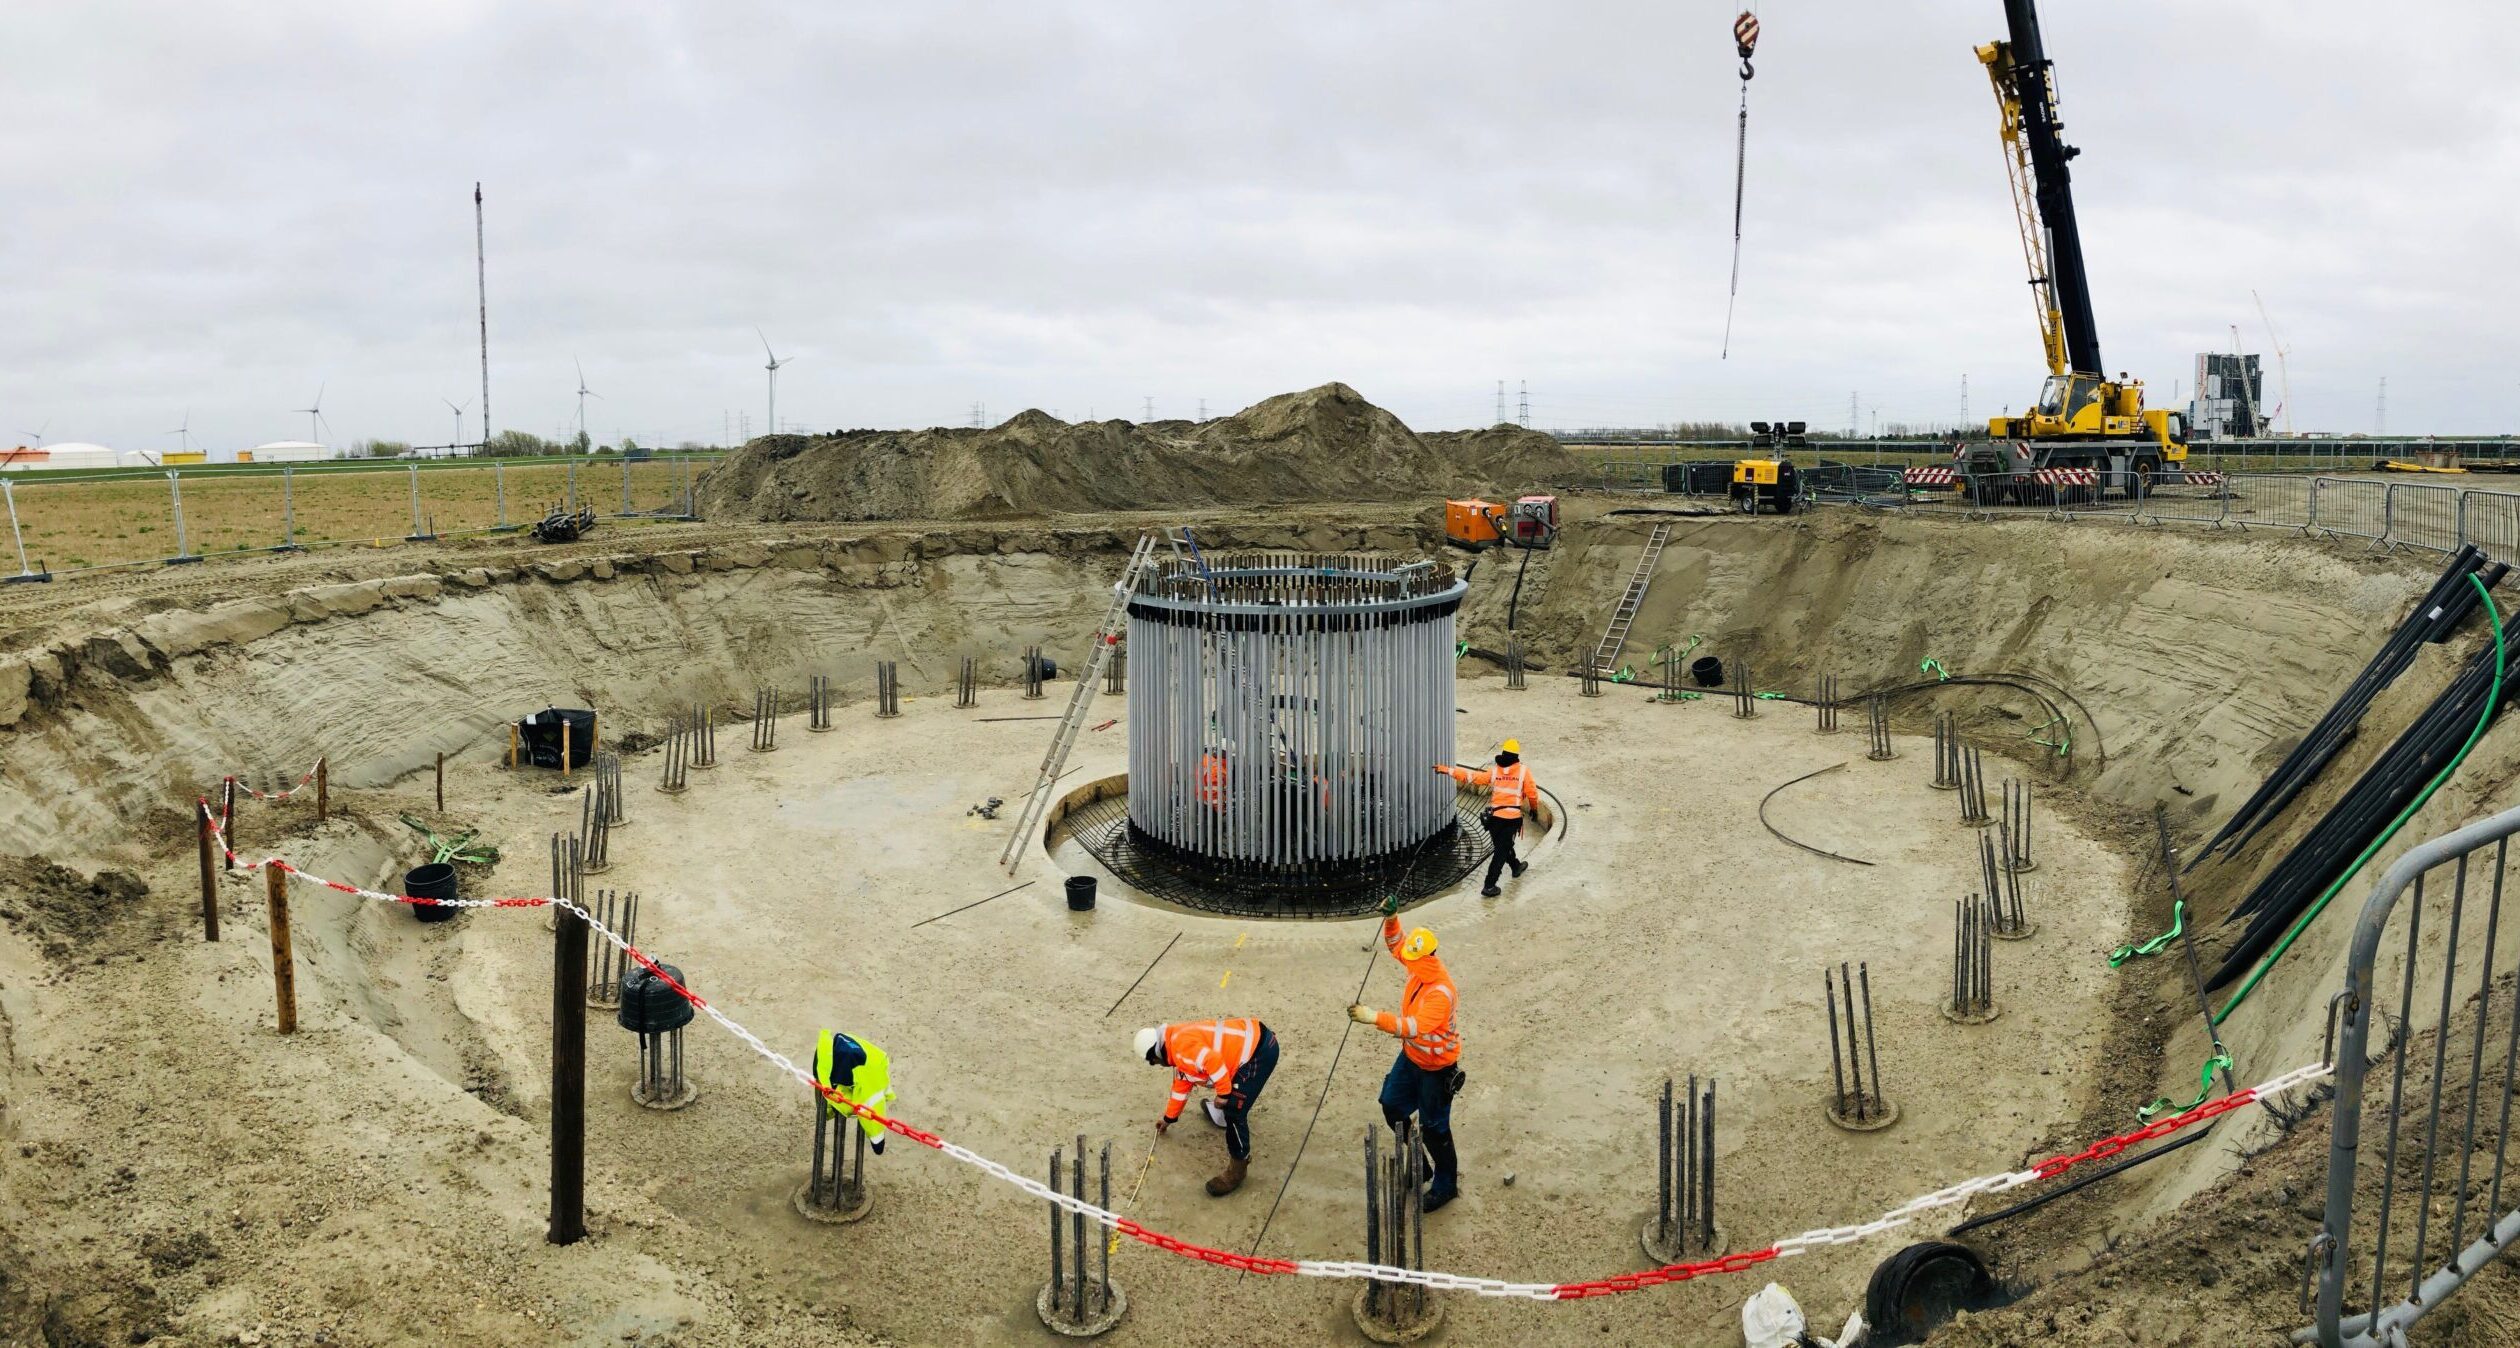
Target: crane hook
1745	39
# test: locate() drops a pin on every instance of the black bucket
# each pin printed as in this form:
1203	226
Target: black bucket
1080	890
433	881
649	1004
1707	672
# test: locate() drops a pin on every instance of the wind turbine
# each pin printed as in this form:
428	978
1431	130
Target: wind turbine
184	432
584	393
315	415
773	368
459	420
37	434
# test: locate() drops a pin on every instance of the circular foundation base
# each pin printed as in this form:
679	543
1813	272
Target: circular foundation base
1958	1017
607	998
1883	758
1886	1113
2021	867
672	790
1379	1332
690	1092
1987	822
595	869
812	1212
1099	1322
1670	1251
1945	786
2028	930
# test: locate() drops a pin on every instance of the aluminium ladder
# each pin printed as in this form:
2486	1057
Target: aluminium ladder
1055	762
1606	658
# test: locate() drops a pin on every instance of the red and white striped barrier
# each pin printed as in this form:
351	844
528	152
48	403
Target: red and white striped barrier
274	795
1801	1243
1930	477
2067	477
2192	479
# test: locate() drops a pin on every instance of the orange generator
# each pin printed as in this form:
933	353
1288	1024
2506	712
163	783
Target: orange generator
1471	524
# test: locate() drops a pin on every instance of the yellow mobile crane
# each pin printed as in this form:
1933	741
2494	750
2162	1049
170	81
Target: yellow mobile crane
2083	420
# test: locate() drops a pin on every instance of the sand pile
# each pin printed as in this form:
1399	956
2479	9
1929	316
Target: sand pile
1326	443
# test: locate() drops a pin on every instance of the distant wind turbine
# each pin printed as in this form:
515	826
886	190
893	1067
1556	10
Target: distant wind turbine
184	432
37	434
584	393
773	368
315	415
459	419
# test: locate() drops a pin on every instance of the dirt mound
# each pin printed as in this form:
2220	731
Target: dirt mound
51	900
1326	443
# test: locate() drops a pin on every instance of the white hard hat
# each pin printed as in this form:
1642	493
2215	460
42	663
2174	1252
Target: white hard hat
1147	1039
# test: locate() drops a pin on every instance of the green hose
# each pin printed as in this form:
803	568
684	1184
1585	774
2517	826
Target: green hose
2492	696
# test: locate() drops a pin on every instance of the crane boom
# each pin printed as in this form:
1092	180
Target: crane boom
2025	80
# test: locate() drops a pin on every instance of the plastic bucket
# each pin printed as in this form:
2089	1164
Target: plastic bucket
1707	672
1080	892
433	881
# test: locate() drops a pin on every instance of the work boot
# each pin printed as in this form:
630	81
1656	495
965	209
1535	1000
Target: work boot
1490	892
1520	867
1229	1181
1446	1185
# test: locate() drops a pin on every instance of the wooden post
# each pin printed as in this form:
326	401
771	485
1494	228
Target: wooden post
511	746
323	789
227	823
568	1078
594	735
441	782
564	748
283	967
209	879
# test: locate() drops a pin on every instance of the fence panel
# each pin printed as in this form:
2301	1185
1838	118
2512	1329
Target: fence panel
72	524
2278	501
2423	515
2173	496
2349	508
2434	1201
2491	520
228	512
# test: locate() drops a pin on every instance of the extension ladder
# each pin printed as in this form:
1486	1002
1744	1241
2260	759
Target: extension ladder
1055	762
1606	658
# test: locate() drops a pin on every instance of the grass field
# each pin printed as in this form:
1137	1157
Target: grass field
75	520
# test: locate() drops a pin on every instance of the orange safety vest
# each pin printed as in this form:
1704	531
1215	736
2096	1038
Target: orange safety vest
1424	1022
1211	787
1207	1053
1509	789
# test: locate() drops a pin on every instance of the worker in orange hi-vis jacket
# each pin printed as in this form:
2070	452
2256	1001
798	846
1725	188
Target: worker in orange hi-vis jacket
1510	795
1231	1057
1427	1073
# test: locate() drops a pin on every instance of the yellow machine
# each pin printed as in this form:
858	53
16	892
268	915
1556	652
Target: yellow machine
1765	486
2083	419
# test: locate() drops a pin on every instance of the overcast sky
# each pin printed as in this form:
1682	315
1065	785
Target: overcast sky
1079	206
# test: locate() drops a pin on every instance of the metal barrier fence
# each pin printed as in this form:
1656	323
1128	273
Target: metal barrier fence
2383	514
2436	1199
64	525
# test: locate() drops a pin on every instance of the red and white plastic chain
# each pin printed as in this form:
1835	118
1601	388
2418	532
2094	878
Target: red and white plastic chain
272	795
1323	1268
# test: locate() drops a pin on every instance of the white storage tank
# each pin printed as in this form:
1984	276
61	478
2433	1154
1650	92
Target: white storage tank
284	451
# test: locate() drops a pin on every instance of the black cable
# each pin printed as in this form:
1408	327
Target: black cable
1780	834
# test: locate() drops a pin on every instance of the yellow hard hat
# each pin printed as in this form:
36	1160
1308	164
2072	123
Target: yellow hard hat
1511	746
1418	944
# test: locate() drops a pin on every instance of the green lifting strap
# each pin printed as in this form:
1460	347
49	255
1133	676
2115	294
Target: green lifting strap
2178	923
2220	1062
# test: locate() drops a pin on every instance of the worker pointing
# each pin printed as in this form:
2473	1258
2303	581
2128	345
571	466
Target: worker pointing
1232	1058
1427	1073
1510	793
859	1071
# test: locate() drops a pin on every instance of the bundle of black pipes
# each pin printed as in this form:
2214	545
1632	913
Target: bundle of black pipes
2334	846
2444	607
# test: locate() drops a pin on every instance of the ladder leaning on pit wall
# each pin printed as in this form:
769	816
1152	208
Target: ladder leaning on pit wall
1055	762
1606	659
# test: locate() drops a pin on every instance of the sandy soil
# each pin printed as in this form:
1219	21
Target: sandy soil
2199	654
787	884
